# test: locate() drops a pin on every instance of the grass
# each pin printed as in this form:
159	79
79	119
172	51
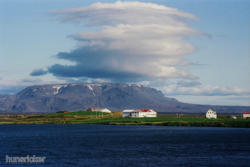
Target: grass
79	113
87	117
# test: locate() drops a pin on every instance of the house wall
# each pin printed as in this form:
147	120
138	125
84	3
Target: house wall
148	114
125	114
137	114
134	114
105	110
246	116
211	114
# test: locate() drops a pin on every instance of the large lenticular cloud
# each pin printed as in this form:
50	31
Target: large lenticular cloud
132	41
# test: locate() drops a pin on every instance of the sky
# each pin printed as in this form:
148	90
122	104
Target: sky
196	51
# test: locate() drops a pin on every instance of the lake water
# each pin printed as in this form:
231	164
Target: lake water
125	146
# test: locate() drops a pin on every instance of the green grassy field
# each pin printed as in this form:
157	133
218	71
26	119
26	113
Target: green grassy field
78	113
86	117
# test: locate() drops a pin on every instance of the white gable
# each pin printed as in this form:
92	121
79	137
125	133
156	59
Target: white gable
211	114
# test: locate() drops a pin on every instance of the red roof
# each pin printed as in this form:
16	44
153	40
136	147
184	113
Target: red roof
146	110
246	112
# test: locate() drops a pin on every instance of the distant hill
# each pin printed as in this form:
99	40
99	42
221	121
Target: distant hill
115	96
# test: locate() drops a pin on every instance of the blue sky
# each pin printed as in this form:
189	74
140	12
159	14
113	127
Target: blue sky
212	66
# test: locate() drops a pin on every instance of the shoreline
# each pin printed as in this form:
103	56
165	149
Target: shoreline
84	117
219	123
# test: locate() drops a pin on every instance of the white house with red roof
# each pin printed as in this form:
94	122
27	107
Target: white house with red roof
139	113
246	115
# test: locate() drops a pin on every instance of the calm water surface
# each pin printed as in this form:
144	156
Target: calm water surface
126	146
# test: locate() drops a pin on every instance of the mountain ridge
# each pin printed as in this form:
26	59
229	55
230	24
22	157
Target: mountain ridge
115	96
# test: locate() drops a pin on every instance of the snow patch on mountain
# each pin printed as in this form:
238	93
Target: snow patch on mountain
57	88
90	88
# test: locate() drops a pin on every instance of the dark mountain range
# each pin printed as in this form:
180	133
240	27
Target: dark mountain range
115	96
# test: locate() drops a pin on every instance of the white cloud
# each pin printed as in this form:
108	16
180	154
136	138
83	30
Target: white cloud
142	40
210	90
215	100
12	85
177	87
135	42
124	13
136	39
198	89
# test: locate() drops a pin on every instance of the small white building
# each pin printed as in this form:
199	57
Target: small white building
139	113
211	114
127	113
233	117
246	115
104	110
